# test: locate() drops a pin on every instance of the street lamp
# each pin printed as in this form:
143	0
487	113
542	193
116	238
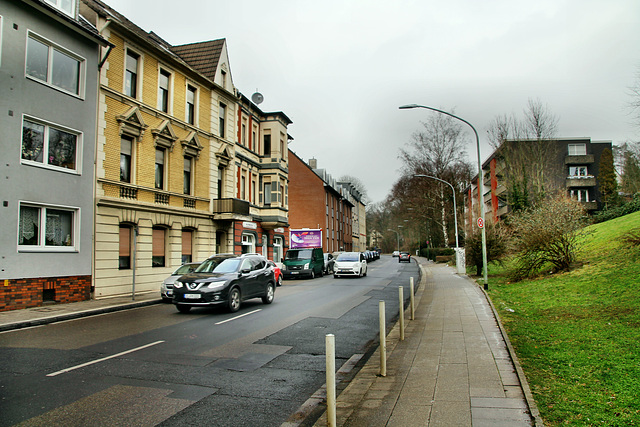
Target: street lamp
481	183
459	264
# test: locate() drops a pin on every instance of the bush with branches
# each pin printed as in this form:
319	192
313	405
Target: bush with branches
496	246
548	235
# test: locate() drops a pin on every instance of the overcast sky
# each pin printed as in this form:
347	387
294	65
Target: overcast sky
339	69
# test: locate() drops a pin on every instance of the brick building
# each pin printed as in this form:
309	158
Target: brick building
572	164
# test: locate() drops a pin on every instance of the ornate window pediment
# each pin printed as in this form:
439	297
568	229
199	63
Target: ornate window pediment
191	145
164	135
132	124
224	158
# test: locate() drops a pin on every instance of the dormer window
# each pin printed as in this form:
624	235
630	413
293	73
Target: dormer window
66	6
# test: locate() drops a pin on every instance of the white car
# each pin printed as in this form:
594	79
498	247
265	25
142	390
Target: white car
350	264
396	254
166	289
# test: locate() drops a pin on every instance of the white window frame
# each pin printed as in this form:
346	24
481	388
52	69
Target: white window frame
196	97
42	247
576	171
139	73
249	241
169	71
577	149
54	46
577	195
57	5
48	125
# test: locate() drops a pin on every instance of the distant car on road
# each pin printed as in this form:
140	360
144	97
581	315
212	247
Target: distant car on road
225	280
276	272
404	257
350	264
166	288
329	261
396	254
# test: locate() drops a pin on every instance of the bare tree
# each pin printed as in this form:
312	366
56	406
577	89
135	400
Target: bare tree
437	150
524	147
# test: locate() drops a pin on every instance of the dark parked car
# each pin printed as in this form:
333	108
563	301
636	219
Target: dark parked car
225	280
404	257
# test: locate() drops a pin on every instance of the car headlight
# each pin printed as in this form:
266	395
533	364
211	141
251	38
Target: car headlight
177	284
216	285
306	266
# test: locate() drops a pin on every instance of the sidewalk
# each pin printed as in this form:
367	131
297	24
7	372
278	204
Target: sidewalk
15	319
454	368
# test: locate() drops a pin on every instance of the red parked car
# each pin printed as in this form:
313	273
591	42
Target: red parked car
277	272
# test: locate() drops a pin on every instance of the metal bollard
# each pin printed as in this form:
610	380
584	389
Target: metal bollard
330	344
383	342
413	307
401	296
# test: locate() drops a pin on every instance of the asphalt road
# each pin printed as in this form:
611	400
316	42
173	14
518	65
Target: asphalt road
155	366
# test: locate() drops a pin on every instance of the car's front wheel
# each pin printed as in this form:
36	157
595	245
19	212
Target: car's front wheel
183	308
269	295
233	304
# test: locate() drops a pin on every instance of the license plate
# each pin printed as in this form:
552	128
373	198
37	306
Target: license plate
191	296
294	272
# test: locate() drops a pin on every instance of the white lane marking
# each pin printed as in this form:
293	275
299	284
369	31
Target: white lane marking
63	371
237	317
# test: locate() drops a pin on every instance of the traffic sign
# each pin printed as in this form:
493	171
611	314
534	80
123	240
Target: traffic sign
480	222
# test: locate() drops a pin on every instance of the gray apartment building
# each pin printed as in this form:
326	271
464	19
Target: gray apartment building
49	64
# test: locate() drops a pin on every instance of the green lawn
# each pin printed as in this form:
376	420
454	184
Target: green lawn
577	334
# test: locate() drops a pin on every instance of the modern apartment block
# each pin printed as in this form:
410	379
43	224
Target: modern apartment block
49	62
182	167
316	200
570	163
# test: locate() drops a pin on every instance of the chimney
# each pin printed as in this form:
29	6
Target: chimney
313	163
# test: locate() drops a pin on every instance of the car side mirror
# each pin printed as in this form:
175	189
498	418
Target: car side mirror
245	271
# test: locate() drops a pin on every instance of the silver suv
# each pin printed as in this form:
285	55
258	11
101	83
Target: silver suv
225	280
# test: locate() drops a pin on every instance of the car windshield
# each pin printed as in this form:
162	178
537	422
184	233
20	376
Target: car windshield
209	265
184	269
229	265
301	254
350	256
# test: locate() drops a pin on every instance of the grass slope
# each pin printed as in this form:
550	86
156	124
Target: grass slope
577	334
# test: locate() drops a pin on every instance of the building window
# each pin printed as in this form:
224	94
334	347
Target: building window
267	194
163	90
243	134
578	171
126	147
243	187
253	191
44	144
47	228
66	6
54	65
124	247
577	149
277	248
131	74
187	246
158	247
188	163
581	195
223	114
267	145
248	243
224	78
191	105
160	155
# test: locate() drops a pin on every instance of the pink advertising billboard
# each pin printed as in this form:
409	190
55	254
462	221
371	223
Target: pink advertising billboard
305	238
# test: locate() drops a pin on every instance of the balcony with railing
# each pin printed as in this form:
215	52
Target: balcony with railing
580	181
126	192
585	159
231	206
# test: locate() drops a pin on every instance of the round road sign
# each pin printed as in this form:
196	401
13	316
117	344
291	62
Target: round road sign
480	222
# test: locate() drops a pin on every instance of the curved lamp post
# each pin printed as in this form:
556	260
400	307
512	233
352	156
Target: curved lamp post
481	183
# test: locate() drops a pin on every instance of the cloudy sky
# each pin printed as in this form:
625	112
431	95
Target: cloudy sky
341	68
